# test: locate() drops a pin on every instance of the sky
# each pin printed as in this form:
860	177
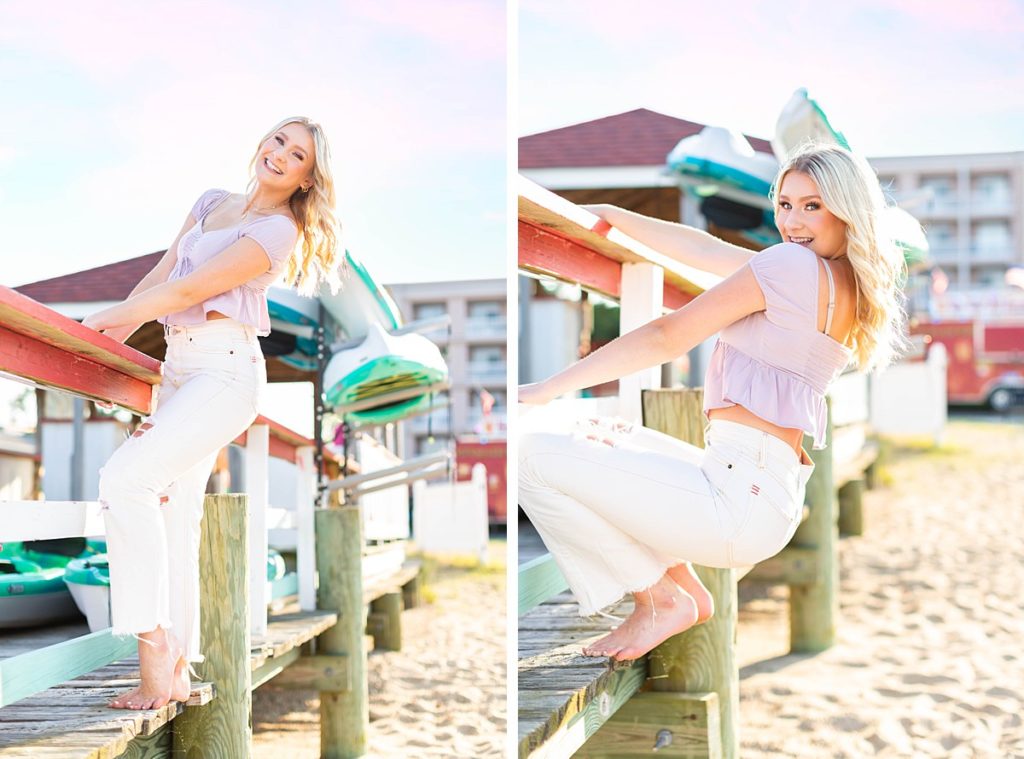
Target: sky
119	114
913	77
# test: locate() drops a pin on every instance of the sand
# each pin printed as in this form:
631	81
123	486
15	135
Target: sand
443	695
928	659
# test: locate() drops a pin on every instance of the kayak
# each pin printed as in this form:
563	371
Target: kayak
31	594
802	119
88	581
377	367
721	162
360	302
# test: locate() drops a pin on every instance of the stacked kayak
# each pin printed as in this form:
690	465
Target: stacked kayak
380	365
730	180
803	119
294	318
32	589
88	580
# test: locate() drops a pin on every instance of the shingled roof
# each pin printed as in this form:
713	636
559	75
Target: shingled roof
634	138
108	282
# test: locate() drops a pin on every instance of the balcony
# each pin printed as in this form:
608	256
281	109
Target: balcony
437	420
486	328
938	207
987	204
945	251
993	254
486	373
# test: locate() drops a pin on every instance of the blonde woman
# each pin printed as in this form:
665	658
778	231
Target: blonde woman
210	292
626	509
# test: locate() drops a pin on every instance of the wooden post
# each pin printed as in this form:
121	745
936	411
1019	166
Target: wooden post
389	609
222	727
306	500
640	302
344	715
411	592
851	512
257	486
703	658
814	609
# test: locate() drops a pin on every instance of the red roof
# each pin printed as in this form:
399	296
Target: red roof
109	282
634	138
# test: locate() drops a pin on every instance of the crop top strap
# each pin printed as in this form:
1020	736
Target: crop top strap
831	296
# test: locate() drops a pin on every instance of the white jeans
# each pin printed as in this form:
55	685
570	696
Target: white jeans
152	487
615	517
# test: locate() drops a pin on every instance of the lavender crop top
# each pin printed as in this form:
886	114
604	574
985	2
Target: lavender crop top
246	303
775	362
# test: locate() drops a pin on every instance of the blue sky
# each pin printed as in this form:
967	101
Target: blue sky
117	120
914	77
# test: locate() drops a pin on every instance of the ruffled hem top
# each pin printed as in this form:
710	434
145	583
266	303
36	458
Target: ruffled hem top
775	362
246	303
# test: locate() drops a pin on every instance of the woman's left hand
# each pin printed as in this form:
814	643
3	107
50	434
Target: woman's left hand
535	394
91	322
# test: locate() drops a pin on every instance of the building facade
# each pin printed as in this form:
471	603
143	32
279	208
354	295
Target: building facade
475	347
971	207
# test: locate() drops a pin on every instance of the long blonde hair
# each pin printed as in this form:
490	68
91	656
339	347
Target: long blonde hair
850	190
320	256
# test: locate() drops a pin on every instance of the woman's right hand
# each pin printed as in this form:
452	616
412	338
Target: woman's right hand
601	210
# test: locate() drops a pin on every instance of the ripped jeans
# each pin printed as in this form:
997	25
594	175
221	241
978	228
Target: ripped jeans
152	488
617	511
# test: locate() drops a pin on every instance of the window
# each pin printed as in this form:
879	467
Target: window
490	310
428	310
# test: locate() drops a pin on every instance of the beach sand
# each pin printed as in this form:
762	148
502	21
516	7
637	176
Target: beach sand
928	659
442	695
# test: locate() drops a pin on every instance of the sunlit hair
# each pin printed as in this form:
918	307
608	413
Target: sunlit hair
850	190
319	255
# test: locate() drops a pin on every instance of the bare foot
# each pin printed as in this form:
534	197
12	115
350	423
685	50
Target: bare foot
633	625
159	655
673	611
686	578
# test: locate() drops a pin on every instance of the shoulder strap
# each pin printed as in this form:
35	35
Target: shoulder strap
831	296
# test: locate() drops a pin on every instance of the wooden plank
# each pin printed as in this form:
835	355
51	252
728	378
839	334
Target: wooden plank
23	315
556	725
676	725
322	673
539	580
46	520
793	565
557	216
52	367
29	673
396	581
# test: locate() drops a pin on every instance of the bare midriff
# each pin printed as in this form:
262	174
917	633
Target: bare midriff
742	415
215	315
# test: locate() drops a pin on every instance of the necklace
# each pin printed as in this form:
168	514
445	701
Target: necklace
267	208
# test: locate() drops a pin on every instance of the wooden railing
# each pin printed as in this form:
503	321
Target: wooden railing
692	689
44	348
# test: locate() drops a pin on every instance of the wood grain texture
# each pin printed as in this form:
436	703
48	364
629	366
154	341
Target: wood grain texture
344	715
687	724
814	609
703	658
223	727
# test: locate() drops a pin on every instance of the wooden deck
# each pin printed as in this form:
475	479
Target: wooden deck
72	720
564	697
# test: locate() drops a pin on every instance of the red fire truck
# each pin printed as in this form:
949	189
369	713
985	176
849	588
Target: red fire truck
491	452
986	358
